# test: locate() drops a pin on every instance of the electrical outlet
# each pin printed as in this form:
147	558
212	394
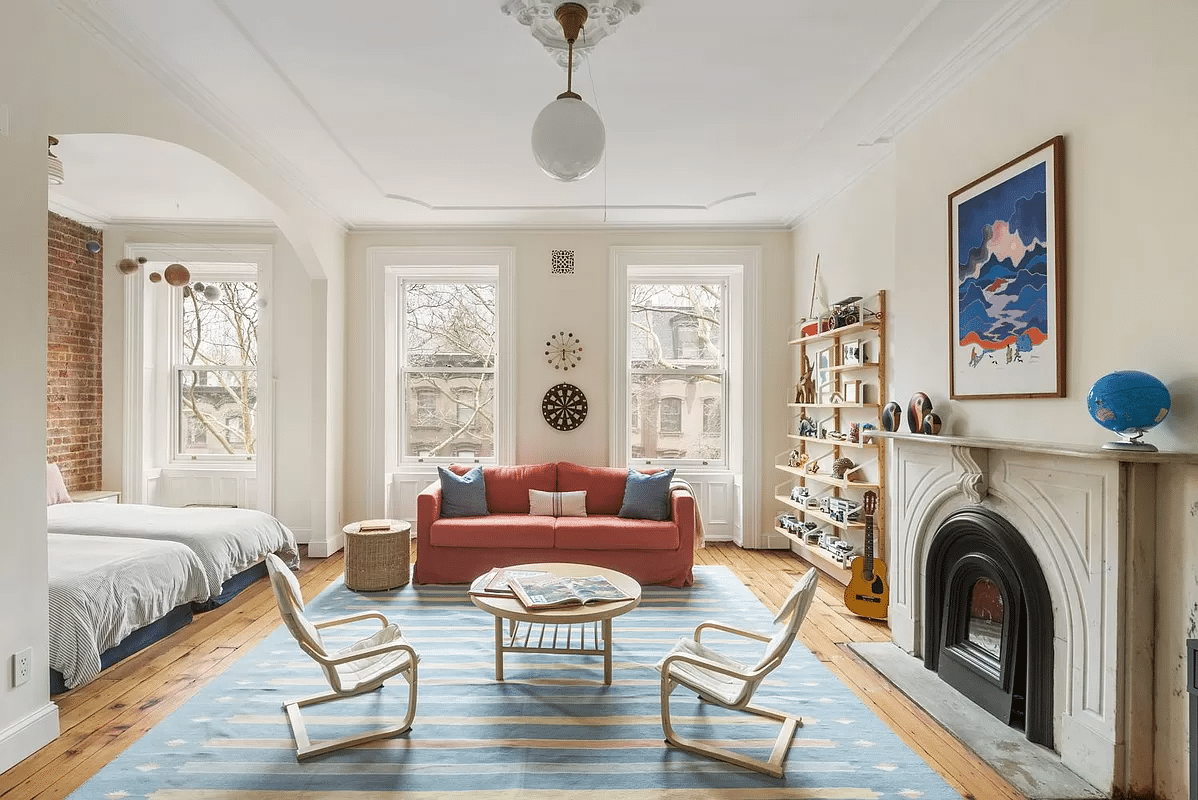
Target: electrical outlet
20	666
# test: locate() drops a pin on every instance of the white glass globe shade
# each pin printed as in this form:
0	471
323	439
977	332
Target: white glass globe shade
568	139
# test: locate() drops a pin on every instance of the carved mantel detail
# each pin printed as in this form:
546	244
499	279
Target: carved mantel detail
972	482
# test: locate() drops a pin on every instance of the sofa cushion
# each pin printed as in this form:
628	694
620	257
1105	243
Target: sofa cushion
463	495
557	504
604	485
493	532
647	496
614	533
507	487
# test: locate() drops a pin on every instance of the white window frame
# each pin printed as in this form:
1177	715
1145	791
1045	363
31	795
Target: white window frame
386	265
207	272
741	266
148	419
445	275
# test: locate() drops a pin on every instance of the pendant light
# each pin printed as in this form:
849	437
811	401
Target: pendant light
568	135
53	165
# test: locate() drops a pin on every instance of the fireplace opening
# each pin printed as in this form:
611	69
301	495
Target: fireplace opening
988	627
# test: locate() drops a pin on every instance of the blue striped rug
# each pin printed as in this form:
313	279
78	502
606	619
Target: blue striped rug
551	730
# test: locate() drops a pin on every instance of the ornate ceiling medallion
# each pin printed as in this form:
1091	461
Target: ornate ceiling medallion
540	17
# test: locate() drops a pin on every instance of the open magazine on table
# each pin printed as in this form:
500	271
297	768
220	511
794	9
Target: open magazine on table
553	591
495	582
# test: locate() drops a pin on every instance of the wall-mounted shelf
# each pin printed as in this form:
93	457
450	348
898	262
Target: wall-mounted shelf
818	556
849	360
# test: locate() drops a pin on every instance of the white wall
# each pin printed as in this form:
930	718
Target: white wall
1118	79
27	719
546	303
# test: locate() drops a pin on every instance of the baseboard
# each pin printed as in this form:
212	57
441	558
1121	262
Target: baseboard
323	548
27	735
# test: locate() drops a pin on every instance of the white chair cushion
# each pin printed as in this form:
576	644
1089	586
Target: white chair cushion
717	685
371	668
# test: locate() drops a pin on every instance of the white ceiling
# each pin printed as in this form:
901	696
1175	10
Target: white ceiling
391	113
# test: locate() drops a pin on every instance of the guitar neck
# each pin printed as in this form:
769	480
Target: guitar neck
868	566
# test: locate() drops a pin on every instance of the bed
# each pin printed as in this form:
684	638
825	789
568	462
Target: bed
230	542
112	596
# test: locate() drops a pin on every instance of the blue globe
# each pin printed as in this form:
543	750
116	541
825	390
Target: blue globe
1128	402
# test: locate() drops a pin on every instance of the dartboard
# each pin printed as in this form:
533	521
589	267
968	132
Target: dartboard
564	406
563	350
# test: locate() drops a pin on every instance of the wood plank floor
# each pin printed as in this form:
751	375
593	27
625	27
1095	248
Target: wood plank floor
101	719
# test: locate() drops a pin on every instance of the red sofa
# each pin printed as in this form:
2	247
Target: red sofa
459	549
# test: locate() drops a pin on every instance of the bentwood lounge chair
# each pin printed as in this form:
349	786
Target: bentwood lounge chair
721	679
359	668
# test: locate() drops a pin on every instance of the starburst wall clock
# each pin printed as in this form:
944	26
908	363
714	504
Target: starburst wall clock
563	350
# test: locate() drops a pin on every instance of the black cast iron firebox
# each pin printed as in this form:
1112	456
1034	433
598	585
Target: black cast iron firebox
988	627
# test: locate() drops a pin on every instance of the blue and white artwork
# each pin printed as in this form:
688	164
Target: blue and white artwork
1007	335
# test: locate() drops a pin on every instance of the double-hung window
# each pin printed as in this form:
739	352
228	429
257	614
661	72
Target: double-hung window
447	366
677	370
215	365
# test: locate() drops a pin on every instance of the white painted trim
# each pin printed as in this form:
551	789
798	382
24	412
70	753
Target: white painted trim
386	263
149	325
132	479
739	264
1001	32
28	734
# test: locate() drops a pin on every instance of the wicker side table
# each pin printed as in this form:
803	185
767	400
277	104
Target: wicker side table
377	559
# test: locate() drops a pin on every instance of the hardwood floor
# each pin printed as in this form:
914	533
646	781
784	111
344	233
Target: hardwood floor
102	718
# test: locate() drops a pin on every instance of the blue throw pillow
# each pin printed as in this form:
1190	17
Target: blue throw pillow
463	495
647	496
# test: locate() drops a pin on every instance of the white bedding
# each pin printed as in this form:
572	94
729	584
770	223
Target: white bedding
104	588
227	540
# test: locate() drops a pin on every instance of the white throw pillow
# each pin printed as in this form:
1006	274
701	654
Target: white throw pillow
56	487
557	504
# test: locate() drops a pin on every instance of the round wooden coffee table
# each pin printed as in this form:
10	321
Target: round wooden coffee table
564	631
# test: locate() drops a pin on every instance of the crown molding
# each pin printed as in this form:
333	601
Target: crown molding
106	25
79	213
1006	28
606	227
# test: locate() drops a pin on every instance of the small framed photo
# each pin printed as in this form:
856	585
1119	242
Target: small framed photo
851	391
853	353
824	377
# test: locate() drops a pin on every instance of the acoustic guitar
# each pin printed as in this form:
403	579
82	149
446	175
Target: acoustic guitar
867	595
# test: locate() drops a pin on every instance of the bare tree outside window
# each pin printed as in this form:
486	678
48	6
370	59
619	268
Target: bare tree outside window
217	370
447	374
677	369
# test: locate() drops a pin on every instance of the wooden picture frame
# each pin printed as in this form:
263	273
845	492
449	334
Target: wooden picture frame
1007	262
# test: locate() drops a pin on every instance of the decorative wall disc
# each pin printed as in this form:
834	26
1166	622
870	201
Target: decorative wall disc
564	406
563	350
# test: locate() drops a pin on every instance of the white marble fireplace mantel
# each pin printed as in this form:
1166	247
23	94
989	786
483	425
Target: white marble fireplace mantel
1089	517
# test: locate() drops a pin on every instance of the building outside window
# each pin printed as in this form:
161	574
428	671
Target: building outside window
216	369
676	369
713	418
447	368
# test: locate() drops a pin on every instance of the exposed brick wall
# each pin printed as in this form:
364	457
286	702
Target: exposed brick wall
74	394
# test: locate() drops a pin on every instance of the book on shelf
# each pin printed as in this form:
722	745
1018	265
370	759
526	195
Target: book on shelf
375	525
495	582
556	591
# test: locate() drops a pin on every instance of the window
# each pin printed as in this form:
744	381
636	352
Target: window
671	415
426	406
216	368
713	418
447	368
676	368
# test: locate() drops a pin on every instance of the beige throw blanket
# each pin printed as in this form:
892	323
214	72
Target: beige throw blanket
677	483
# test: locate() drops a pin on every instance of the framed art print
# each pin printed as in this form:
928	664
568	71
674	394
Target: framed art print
1007	257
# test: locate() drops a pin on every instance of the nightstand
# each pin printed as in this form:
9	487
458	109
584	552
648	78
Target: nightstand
97	496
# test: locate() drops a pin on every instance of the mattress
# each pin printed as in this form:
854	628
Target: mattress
104	588
226	540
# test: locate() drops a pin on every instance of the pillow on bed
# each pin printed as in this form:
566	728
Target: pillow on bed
56	487
557	504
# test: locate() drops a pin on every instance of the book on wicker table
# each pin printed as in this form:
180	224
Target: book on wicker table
555	591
